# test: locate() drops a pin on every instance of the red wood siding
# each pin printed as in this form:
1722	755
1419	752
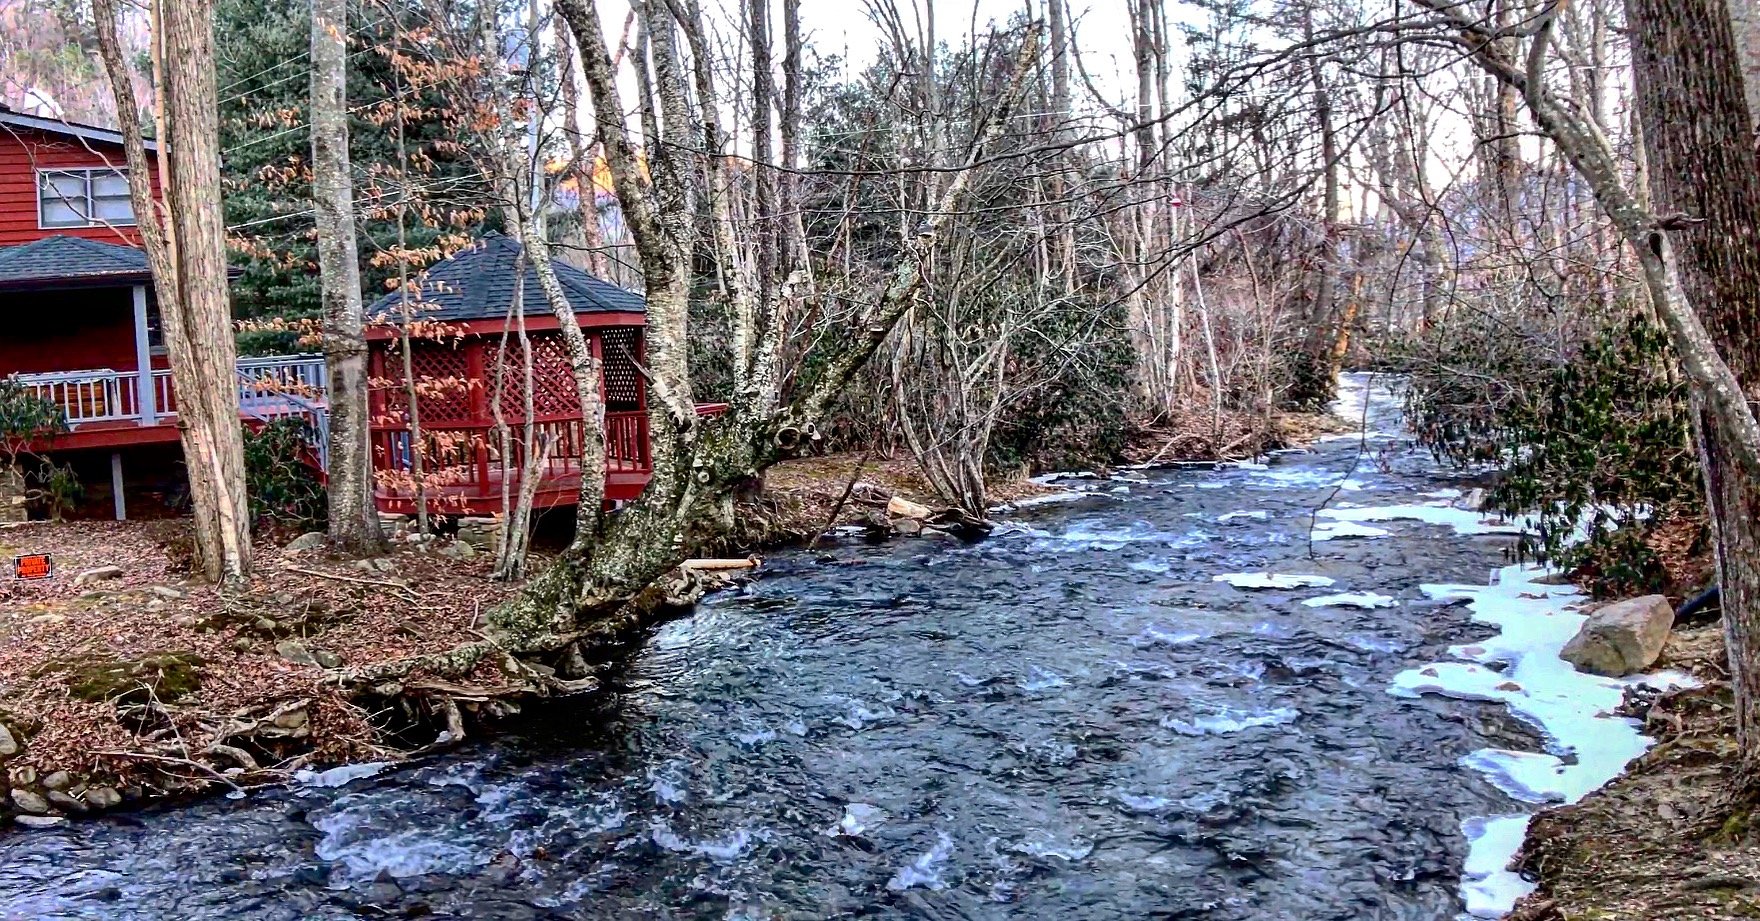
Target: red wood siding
68	330
24	151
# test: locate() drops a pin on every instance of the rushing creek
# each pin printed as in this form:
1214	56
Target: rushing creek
1073	719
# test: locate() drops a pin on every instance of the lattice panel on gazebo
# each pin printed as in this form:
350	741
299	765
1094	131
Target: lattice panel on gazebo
553	378
619	346
443	385
513	387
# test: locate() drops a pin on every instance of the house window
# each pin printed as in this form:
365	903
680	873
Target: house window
83	198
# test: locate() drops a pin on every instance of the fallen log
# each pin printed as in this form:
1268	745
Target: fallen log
721	565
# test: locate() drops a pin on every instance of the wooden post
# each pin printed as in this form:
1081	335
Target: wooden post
116	486
146	401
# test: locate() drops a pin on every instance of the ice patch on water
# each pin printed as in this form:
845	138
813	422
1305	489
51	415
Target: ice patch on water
1366	600
1461	520
1341	530
858	819
925	870
340	776
1229	721
1573	710
1488	887
1050	498
1272	580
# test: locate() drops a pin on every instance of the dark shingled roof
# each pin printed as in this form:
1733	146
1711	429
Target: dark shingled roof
64	260
477	284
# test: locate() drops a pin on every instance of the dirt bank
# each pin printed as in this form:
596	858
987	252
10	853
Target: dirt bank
1664	841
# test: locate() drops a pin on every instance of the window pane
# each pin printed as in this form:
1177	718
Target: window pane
112	209
60	214
107	184
71	186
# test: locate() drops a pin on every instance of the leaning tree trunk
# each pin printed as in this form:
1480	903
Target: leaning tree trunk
1685	59
185	243
354	519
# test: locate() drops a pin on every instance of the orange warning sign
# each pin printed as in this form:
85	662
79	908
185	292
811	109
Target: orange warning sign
33	566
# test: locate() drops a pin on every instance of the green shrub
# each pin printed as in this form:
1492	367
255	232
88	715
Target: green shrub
282	484
1597	446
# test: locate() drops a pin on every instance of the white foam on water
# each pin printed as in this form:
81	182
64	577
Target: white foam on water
1043	679
723	850
1257	580
1574	711
1143	802
1042	844
925	870
361	850
1229	721
1366	600
1301	478
858	819
1155	636
1257	514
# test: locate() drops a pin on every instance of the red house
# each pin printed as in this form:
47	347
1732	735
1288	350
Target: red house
83	332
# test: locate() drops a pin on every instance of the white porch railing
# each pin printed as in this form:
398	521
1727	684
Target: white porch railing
275	385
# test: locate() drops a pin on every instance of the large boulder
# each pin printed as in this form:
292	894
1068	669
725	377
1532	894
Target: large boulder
1622	637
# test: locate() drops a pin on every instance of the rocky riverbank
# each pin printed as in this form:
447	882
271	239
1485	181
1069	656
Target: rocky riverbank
1664	841
123	680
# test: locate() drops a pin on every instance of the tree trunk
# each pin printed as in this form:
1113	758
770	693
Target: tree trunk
1685	59
354	518
185	243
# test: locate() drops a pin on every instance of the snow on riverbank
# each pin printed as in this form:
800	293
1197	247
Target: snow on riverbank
1521	668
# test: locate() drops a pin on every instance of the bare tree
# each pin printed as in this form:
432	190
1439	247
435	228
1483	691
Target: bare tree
185	241
354	517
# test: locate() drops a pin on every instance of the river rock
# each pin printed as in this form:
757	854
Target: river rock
66	801
459	550
57	780
311	540
40	821
103	798
900	507
1622	637
295	652
8	744
27	801
98	574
